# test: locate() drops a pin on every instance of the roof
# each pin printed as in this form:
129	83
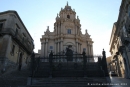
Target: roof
15	12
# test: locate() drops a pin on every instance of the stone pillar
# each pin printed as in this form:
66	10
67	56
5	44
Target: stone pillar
76	46
61	47
92	49
55	47
43	49
61	28
86	47
76	30
58	46
46	48
89	49
57	29
80	49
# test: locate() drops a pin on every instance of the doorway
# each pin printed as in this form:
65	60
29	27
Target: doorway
20	61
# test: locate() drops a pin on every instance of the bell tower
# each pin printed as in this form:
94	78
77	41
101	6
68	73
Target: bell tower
67	13
66	22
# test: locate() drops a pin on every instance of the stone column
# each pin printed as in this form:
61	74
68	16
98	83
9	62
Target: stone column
86	47
58	46
46	48
76	46
55	47
91	49
43	49
61	46
61	28
76	30
58	29
80	47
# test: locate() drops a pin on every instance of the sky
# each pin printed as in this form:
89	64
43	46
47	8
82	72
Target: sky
97	16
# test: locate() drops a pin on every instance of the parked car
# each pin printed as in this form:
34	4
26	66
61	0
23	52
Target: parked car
112	73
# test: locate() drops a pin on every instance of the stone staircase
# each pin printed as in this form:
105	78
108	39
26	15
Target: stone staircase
68	75
69	70
15	78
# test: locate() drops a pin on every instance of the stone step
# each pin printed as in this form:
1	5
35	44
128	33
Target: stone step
92	70
67	85
67	67
66	82
66	73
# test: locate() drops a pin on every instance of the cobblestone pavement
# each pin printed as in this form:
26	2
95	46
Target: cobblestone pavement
15	78
120	82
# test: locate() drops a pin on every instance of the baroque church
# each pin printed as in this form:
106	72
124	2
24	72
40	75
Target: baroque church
67	34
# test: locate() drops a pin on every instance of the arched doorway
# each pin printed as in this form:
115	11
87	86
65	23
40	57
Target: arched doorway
69	45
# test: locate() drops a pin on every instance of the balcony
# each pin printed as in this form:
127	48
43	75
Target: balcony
19	39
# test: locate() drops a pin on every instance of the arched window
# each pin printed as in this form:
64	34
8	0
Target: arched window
68	16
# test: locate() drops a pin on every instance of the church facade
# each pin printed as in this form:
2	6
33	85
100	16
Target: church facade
67	33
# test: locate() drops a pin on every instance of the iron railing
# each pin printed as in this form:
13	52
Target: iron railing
53	59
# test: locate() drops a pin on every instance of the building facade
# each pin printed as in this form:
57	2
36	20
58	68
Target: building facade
16	44
109	66
67	33
120	41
